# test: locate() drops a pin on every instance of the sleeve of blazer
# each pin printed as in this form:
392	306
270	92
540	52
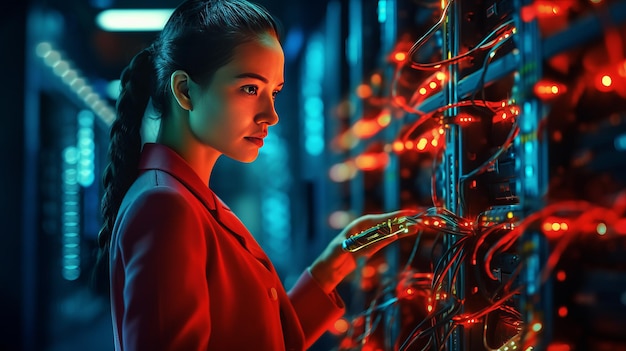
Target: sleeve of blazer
316	310
166	300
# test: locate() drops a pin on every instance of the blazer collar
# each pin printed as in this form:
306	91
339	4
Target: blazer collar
161	157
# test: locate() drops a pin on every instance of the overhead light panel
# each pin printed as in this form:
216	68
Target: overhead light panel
133	20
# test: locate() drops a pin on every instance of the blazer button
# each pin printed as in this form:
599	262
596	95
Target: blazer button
273	294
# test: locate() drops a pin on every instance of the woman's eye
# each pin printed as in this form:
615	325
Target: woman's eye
250	89
275	93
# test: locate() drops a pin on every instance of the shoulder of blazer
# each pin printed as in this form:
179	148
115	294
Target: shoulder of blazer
153	179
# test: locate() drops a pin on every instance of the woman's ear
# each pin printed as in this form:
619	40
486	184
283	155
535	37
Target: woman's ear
180	82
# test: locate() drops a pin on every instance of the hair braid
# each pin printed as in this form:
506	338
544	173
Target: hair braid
124	150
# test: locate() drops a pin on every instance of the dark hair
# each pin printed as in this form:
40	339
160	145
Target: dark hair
199	38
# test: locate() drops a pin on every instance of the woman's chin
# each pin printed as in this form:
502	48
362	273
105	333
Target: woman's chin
246	158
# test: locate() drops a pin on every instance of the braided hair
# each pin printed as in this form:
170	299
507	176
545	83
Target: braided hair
199	38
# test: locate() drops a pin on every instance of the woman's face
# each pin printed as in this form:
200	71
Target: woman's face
232	114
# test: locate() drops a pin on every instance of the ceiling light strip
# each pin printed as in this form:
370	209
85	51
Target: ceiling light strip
133	20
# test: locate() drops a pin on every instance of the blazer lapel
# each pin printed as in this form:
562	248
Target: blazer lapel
225	216
157	156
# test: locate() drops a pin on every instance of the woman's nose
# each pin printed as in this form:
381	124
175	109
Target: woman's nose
268	114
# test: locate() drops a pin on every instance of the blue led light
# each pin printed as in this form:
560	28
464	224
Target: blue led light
85	148
314	145
620	142
382	11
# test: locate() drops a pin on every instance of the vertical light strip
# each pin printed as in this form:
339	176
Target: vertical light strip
86	148
312	95
70	212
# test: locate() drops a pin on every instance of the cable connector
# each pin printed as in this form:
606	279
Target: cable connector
381	231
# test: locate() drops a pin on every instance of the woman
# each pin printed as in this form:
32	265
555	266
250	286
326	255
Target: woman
185	273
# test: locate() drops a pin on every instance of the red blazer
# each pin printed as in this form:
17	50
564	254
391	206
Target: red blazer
187	275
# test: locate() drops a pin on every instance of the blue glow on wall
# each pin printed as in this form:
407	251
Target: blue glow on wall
313	110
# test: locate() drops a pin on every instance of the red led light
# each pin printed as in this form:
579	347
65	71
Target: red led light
363	91
465	118
546	90
340	326
554	227
421	144
398	146
558	347
371	161
399	57
610	78
376	79
604	82
366	128
547	9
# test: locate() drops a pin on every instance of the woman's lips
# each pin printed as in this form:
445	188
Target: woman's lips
256	141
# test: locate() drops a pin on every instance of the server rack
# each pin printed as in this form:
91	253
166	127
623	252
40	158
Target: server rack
514	109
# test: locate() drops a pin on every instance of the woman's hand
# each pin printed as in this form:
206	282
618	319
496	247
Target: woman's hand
334	264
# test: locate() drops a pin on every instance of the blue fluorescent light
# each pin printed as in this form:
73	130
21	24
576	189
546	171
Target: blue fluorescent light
133	20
